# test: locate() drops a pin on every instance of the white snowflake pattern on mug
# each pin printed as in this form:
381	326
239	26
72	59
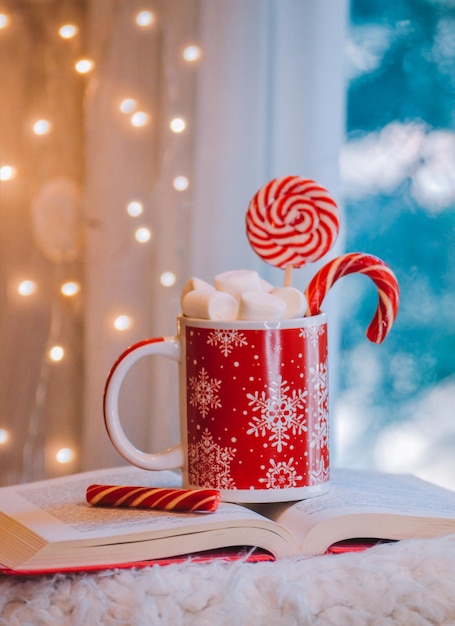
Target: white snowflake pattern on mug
204	392
320	434
279	413
313	333
320	474
210	464
281	475
227	340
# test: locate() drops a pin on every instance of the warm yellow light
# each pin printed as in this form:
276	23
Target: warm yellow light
41	127
68	31
134	208
64	455
4	436
71	288
122	322
167	279
143	234
140	118
27	287
192	53
180	183
145	18
178	125
56	353
83	66
4	20
7	172
128	105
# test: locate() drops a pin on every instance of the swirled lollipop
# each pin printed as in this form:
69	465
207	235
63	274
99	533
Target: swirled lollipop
373	267
291	221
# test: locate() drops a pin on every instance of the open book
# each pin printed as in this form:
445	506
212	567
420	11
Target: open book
48	526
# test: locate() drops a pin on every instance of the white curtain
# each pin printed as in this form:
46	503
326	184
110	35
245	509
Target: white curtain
265	99
41	178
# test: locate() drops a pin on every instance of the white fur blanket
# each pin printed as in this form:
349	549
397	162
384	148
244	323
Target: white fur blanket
409	583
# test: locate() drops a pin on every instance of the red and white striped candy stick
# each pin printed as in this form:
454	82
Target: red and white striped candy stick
373	267
183	500
291	221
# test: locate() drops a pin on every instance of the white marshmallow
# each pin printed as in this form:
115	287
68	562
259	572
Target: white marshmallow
260	305
209	305
237	282
293	298
266	286
192	284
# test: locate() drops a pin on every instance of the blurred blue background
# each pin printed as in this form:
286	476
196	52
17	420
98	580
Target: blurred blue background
396	408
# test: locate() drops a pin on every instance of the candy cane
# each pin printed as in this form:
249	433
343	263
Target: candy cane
379	272
291	221
184	500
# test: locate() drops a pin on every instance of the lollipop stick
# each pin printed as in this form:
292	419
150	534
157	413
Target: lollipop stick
288	276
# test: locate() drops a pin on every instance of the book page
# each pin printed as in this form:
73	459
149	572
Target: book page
57	510
365	493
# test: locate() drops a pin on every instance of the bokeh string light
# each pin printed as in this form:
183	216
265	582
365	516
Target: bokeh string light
42	127
27	288
143	234
84	66
177	125
122	322
70	288
128	105
135	208
4	436
4	20
145	19
180	183
68	31
191	53
140	118
7	172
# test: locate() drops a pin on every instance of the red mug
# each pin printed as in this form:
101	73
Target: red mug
253	407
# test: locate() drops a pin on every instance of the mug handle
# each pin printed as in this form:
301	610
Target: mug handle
168	347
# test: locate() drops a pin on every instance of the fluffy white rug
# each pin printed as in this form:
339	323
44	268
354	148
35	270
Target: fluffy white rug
409	583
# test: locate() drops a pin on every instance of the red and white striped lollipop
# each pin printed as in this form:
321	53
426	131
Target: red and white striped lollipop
373	267
291	221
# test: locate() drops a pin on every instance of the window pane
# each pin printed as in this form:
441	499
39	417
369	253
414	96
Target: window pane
398	165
